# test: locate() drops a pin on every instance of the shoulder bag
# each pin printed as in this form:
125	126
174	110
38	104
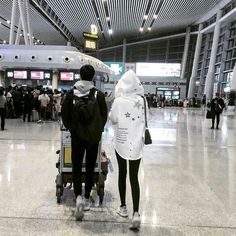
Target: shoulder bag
147	135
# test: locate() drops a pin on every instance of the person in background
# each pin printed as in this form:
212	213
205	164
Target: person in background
217	105
127	117
44	100
28	104
3	103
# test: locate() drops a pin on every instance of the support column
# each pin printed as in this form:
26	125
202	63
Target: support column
22	16
13	17
55	77
211	70
18	32
195	63
167	50
2	82
124	51
233	84
148	52
28	22
185	54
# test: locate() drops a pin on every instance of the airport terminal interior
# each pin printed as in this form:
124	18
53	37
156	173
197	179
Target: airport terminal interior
184	54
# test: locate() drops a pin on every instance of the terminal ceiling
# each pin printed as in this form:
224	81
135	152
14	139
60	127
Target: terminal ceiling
125	18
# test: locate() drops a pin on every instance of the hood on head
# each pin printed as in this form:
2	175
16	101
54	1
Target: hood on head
129	84
83	86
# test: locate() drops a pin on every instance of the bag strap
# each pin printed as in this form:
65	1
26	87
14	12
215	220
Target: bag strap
145	111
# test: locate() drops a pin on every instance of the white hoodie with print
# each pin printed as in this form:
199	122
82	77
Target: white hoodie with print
127	116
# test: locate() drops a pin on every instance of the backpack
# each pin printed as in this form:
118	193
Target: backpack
86	118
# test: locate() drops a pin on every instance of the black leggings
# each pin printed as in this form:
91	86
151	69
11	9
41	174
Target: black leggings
78	149
133	175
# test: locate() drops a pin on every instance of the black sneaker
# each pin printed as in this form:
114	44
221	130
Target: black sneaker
212	127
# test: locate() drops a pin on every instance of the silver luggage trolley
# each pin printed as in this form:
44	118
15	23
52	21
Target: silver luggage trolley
64	166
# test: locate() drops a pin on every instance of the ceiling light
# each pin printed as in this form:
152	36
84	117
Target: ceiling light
21	35
149	28
28	34
108	18
141	29
35	43
0	22
102	32
8	22
32	37
4	41
98	18
145	17
38	40
155	16
110	31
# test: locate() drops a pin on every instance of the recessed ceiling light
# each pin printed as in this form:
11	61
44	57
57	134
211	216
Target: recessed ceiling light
110	31
32	37
145	17
149	28
21	35
8	22
141	29
155	16
108	18
28	34
0	22
38	40
4	41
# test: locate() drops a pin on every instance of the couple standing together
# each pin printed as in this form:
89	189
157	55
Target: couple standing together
127	116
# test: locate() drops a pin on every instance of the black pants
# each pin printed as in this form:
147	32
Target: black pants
3	115
217	116
78	149
133	175
28	113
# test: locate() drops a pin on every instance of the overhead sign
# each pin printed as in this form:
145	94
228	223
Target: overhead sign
158	69
89	35
90	44
94	29
130	66
117	67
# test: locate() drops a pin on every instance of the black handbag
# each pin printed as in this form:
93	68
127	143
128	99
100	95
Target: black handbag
209	114
147	135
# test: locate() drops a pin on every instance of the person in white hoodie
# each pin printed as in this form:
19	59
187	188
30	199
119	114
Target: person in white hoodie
127	117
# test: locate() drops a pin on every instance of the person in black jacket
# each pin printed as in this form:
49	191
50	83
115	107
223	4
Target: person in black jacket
28	104
80	142
217	106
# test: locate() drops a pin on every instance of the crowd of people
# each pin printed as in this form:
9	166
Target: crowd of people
30	104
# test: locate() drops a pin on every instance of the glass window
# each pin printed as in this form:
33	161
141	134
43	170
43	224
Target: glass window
229	55
227	65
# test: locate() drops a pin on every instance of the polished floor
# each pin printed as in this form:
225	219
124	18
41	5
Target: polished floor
187	178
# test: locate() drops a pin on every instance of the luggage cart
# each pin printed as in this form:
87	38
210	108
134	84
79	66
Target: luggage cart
64	166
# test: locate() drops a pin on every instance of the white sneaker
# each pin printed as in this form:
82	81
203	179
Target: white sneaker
136	221
86	204
79	209
123	211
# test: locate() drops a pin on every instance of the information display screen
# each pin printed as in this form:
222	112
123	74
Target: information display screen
37	75
20	74
158	69
66	76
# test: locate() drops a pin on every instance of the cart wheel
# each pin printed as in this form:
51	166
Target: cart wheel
58	194
101	195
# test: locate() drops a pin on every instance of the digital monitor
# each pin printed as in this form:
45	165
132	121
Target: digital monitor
20	74
66	76
37	75
47	75
10	74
